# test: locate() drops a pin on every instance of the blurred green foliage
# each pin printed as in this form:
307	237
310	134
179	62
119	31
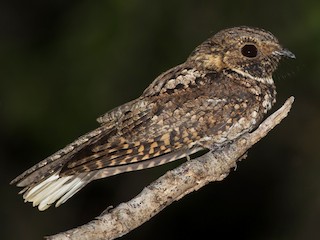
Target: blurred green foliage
63	63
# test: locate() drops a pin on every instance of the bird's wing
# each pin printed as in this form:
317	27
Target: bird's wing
136	135
100	154
150	130
143	139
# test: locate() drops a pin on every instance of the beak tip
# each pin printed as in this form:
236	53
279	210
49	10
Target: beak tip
289	54
285	53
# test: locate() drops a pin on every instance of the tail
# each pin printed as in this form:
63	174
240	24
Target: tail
93	156
43	184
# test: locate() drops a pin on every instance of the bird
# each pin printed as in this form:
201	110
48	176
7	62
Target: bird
222	91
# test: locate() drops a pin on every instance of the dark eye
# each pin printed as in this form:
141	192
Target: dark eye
249	50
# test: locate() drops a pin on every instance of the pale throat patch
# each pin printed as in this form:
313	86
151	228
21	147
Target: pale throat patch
267	80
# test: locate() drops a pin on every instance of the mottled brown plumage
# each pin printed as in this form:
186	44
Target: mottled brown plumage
223	90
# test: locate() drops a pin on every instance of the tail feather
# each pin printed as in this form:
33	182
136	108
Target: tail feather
56	189
63	174
43	184
53	163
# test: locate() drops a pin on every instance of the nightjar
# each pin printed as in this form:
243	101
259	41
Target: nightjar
220	92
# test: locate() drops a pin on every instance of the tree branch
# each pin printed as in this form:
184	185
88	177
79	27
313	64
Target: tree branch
175	184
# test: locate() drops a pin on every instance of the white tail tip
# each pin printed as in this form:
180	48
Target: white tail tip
54	188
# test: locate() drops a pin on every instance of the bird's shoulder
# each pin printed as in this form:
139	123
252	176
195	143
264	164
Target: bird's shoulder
175	80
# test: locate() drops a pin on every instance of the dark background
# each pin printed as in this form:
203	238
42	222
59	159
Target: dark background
64	63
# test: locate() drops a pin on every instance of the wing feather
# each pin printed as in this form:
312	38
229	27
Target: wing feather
149	131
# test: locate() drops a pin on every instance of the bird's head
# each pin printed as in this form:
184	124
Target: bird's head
251	52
